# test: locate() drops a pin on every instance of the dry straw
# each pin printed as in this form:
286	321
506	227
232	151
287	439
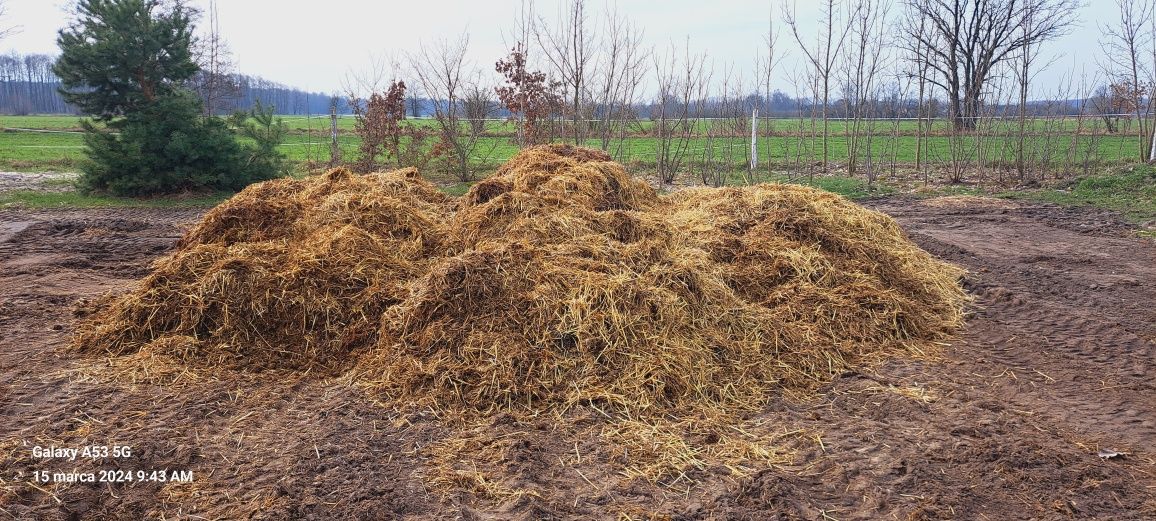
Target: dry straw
560	281
557	283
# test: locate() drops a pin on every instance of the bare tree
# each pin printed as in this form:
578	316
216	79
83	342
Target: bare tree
965	40
994	138
1025	69
681	83
918	37
1048	152
4	29
478	106
413	103
216	83
797	78
1089	157
621	67
863	62
899	108
736	120
729	119
1124	42
382	71
765	65
823	56
1109	101
569	48
445	77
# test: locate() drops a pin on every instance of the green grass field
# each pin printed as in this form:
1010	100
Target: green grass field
40	151
47	122
320	123
51	143
54	145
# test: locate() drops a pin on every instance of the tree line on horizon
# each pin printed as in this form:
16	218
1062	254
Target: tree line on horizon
586	76
580	77
28	86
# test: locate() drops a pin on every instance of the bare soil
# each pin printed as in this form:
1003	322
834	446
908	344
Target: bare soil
37	181
1057	363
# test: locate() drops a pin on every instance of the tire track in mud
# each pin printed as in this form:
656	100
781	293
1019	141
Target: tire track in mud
105	240
51	258
1063	304
1056	362
283	450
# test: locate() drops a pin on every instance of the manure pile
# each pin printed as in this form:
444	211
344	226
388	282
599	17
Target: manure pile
559	281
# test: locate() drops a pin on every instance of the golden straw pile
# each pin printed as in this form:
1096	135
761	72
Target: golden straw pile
559	281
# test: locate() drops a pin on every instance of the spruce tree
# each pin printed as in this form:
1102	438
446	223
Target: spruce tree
126	63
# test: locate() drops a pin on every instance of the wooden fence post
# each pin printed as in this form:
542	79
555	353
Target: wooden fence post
754	139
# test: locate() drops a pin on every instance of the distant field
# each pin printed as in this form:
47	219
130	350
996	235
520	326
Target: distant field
50	122
49	143
345	123
39	151
836	126
53	144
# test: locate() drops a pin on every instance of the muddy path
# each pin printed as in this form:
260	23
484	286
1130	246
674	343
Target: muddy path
37	181
1056	364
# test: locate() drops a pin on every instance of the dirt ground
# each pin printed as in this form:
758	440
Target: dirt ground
39	181
1057	363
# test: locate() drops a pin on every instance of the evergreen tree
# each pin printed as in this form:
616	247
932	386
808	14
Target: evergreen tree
266	132
120	56
125	62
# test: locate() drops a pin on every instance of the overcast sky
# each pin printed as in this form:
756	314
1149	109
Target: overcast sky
316	45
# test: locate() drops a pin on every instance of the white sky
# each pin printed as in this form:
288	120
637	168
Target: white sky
316	45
